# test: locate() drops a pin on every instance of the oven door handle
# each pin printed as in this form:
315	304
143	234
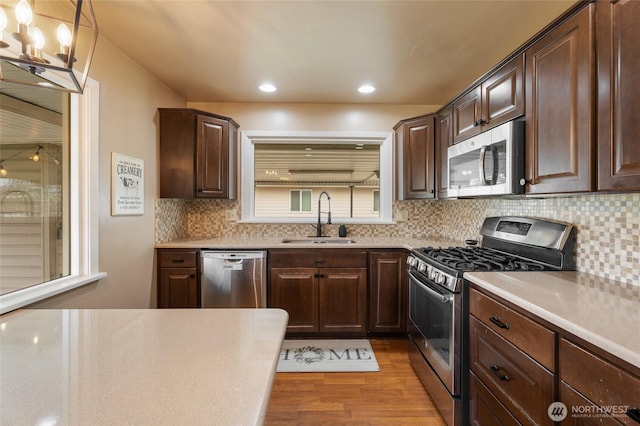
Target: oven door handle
444	298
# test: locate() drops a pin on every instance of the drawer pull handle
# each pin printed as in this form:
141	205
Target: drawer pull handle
177	261
499	323
319	261
499	375
634	414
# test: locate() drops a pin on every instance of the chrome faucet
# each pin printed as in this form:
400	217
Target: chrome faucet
319	225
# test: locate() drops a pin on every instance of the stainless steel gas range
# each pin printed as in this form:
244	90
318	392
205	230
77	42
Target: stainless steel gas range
438	306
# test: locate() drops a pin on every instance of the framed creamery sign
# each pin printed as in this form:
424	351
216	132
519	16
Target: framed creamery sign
127	185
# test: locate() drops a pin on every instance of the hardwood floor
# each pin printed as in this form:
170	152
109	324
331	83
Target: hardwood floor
392	396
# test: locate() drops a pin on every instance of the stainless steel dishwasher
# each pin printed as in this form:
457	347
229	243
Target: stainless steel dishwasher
235	279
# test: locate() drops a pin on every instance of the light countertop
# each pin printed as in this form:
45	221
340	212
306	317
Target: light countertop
276	242
598	310
138	366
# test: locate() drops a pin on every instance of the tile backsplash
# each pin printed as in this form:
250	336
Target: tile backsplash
608	237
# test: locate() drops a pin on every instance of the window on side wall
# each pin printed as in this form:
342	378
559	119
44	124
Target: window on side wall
48	230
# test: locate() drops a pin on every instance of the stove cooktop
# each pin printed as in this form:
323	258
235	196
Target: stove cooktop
462	259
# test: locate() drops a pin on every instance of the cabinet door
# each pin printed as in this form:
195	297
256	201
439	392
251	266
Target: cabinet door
212	158
444	139
559	143
388	292
178	288
343	300
618	95
418	151
296	291
467	112
503	94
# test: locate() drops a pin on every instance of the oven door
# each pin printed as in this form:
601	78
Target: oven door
436	316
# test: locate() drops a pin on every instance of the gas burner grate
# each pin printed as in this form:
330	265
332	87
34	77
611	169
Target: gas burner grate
480	259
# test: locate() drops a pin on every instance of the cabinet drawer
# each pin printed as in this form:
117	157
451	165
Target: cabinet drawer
534	339
484	407
573	400
177	259
322	258
605	384
525	387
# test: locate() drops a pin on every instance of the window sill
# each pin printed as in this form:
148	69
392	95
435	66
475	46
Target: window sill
29	295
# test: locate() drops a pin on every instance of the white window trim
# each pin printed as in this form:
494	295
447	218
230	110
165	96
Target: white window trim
83	202
248	139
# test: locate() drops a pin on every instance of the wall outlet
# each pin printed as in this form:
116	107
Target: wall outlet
231	215
401	215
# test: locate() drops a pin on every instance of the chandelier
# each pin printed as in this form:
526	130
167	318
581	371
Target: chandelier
47	44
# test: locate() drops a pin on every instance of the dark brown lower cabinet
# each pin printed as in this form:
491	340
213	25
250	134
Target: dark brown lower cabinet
525	387
594	389
484	408
178	285
324	291
388	292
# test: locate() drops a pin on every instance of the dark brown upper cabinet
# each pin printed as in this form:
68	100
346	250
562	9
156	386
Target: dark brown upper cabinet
197	154
444	139
618	62
560	114
415	155
497	99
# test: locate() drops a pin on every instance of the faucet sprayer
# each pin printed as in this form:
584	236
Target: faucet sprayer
319	225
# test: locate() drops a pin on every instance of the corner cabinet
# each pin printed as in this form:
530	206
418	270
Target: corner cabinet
388	292
560	114
323	291
498	99
197	154
618	95
415	155
178	285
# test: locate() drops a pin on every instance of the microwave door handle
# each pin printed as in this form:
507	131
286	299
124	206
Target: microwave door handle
494	155
483	157
483	160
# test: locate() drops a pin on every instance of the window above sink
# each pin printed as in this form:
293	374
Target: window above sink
283	174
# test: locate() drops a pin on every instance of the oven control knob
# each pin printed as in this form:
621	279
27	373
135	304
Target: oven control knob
441	279
422	267
411	261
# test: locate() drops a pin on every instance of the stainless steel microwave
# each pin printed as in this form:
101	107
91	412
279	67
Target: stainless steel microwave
491	163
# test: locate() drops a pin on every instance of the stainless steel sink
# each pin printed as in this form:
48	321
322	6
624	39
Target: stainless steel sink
317	241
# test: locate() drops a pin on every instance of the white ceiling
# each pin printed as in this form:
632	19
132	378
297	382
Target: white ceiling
414	52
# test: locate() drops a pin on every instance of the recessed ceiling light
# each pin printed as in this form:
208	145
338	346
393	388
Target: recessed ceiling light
366	88
267	87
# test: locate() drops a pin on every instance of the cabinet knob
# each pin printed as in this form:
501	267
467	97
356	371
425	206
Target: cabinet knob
479	122
200	190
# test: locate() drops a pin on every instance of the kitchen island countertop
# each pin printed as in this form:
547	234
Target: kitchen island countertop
601	311
138	366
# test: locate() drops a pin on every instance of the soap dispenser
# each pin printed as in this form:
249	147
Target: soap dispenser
342	231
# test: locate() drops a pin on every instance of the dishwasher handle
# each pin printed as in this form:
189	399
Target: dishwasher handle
232	255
